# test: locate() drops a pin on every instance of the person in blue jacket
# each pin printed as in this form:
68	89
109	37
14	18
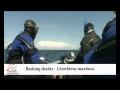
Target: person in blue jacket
22	50
105	52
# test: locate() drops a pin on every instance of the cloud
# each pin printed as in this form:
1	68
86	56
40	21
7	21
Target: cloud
54	45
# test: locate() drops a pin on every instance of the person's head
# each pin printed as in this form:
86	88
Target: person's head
89	27
30	26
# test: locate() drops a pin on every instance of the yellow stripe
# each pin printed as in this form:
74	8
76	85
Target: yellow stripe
107	45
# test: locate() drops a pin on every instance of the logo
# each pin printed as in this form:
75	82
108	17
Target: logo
12	70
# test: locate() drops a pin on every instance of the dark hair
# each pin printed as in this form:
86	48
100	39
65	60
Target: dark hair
89	25
29	23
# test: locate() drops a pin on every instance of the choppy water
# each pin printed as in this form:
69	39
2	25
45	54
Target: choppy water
52	55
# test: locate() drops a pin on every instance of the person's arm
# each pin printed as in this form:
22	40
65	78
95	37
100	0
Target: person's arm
31	55
96	41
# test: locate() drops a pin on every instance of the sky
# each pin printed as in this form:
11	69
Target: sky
58	30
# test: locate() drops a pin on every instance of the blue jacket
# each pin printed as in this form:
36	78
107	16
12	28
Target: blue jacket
20	47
